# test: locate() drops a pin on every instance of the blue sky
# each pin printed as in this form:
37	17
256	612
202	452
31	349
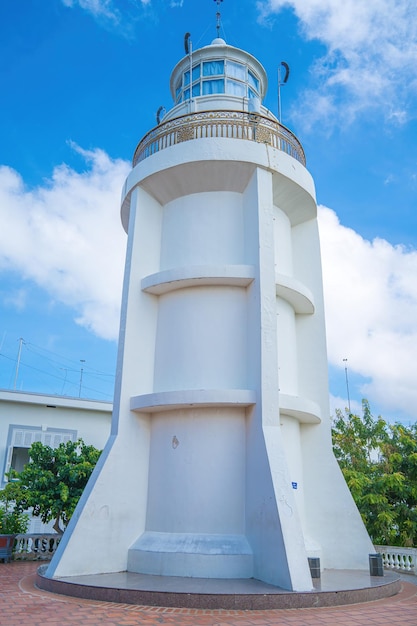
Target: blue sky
81	81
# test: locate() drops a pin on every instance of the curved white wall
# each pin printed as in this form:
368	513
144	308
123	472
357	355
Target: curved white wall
201	339
287	348
197	471
282	243
203	228
290	428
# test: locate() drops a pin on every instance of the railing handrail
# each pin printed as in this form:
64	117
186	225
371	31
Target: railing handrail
223	123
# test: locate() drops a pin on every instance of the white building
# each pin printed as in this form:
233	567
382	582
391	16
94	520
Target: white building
29	417
220	461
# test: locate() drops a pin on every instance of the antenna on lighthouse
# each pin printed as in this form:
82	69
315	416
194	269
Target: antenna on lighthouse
282	82
188	47
187	42
218	17
159	113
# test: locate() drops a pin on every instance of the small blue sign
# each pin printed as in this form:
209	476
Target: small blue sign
294	485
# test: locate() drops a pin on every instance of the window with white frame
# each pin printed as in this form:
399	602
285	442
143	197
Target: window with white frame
218	76
20	438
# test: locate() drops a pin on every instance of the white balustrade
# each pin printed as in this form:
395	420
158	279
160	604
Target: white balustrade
399	559
35	547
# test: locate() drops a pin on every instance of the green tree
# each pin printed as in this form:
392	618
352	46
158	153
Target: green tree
52	482
379	463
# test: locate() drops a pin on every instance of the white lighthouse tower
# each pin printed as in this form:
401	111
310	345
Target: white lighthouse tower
220	461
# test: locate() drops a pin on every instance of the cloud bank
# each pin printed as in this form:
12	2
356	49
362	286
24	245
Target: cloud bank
371	48
370	292
66	236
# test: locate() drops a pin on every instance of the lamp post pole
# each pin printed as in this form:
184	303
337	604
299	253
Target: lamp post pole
21	341
347	384
81	377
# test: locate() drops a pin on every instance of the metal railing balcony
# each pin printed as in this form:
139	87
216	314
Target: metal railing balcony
213	124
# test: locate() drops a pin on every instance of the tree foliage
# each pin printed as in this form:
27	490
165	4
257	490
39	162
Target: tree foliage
12	520
379	463
52	482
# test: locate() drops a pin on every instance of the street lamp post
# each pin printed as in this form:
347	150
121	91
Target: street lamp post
81	377
347	384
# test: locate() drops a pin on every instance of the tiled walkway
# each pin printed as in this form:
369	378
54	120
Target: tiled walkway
21	604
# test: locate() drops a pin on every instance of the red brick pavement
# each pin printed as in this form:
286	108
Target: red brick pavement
21	604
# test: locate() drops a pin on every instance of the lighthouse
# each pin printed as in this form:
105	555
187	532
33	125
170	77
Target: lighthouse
219	463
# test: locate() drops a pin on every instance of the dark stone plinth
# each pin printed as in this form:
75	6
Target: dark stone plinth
334	588
314	565
376	566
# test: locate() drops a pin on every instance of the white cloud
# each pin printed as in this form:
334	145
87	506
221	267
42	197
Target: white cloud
111	15
371	311
370	58
97	8
16	299
390	178
66	236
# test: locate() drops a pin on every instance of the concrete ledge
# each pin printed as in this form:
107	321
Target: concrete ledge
184	399
294	292
303	409
198	276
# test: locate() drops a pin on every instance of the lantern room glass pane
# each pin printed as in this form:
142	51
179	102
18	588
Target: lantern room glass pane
213	86
235	88
196	72
213	68
253	81
236	70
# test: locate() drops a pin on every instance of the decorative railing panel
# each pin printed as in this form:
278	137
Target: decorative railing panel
399	559
228	124
39	547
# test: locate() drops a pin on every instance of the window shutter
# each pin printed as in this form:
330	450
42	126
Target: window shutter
8	462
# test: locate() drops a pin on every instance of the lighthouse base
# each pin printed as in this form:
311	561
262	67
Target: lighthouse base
334	588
